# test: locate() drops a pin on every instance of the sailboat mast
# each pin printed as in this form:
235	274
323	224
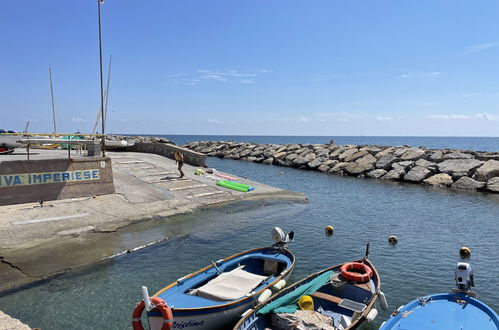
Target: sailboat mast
107	88
101	80
52	97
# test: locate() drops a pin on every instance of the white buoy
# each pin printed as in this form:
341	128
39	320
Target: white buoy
382	301
145	296
279	285
264	296
372	315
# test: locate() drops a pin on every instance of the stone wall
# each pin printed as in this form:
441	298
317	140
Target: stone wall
24	181
470	170
168	150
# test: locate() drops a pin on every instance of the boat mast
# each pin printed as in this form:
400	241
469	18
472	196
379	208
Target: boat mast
52	97
107	87
99	2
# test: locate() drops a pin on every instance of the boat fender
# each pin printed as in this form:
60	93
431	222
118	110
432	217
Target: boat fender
465	252
329	230
372	315
382	301
393	240
264	296
159	304
279	285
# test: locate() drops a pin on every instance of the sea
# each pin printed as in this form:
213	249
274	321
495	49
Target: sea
430	223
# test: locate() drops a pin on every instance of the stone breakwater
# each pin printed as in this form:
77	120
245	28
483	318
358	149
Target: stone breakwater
469	170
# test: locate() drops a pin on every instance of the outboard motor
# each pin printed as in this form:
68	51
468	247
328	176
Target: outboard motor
280	238
464	277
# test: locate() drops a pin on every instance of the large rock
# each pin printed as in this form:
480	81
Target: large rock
315	163
282	162
488	170
338	168
356	156
440	179
268	161
418	174
405	165
436	156
452	166
376	174
299	161
385	152
399	151
385	162
493	184
468	184
280	155
395	174
425	163
347	153
337	152
291	157
361	165
412	154
457	155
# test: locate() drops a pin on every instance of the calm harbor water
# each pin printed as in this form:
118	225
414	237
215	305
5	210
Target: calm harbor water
432	224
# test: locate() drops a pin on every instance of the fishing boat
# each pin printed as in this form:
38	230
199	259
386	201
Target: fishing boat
458	309
338	297
214	297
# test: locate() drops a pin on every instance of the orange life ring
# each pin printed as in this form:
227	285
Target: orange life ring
160	304
356	271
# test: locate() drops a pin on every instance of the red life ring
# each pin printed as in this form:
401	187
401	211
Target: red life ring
356	272
166	313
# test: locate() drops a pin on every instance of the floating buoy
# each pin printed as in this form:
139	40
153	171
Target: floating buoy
382	301
465	252
281	173
393	240
329	230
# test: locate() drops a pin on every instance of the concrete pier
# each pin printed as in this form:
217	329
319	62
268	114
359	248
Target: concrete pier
39	241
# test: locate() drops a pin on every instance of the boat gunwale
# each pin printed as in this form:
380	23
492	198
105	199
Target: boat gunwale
284	274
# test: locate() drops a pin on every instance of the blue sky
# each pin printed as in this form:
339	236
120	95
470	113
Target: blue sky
259	67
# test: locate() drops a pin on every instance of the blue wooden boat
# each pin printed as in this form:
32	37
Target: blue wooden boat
338	297
456	310
214	297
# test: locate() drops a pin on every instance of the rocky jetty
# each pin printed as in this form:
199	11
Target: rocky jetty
469	170
138	139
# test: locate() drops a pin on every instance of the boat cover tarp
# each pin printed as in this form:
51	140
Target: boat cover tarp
287	303
230	285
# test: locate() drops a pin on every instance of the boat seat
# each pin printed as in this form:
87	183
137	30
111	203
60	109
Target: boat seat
342	302
328	297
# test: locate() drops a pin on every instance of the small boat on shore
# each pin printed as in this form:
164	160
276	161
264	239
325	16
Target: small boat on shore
214	297
456	310
338	297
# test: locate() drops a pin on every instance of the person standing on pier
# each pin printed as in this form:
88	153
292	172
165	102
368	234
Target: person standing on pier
179	159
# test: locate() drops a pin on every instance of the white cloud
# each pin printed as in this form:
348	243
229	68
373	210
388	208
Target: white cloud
480	47
384	118
470	94
481	116
78	120
217	75
421	75
303	119
215	121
